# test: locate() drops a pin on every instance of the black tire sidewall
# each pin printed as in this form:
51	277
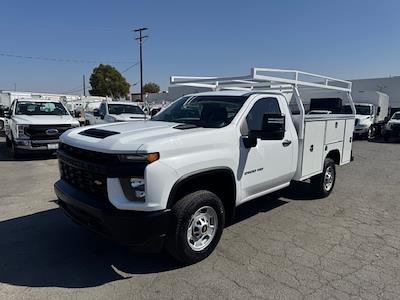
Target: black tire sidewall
182	212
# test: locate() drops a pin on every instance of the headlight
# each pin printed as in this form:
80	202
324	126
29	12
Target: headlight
389	126
21	131
149	157
75	125
134	188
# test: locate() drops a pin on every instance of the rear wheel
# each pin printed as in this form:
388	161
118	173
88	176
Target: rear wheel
197	225
322	184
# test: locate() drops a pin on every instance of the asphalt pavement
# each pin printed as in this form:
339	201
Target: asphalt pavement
288	245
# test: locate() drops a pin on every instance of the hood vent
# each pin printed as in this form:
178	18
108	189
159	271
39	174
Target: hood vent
185	126
98	133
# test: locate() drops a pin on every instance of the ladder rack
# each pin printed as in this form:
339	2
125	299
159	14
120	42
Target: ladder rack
265	78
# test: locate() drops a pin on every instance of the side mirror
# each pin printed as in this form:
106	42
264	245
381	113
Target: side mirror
96	112
272	128
7	114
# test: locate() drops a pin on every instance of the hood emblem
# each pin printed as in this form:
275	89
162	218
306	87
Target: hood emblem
51	131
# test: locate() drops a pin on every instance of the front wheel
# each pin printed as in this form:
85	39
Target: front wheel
371	133
198	220
322	184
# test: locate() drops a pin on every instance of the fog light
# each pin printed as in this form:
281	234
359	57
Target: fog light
133	188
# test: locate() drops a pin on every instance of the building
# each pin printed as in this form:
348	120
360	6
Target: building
388	85
7	97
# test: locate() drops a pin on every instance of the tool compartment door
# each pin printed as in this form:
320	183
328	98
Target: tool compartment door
314	135
334	131
348	141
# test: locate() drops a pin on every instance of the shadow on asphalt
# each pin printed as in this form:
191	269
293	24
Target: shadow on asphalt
46	249
5	154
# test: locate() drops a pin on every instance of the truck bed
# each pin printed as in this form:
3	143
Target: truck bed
323	134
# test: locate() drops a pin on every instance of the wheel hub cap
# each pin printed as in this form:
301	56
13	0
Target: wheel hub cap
329	178
202	228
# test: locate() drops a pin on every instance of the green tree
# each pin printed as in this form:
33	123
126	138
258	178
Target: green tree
107	81
151	87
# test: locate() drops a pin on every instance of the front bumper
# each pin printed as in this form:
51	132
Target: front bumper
36	145
361	130
143	231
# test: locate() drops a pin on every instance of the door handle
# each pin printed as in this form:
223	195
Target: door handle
286	143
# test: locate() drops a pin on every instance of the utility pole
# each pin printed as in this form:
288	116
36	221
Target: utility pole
84	86
140	39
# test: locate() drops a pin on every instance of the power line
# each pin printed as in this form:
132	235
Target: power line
130	67
63	59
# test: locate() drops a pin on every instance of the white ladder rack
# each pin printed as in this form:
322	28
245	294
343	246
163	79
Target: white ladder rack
265	79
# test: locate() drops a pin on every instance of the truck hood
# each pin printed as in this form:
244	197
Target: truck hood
129	117
44	120
131	137
363	119
394	122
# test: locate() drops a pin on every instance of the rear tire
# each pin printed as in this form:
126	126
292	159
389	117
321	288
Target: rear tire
198	220
322	184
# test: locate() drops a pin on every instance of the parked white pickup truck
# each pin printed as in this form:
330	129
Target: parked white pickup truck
113	111
176	180
35	125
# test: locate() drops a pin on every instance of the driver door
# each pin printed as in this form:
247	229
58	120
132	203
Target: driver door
269	163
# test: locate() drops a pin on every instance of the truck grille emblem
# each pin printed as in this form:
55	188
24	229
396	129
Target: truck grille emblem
51	131
97	182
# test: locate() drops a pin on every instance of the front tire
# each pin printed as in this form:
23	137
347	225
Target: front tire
322	184
198	220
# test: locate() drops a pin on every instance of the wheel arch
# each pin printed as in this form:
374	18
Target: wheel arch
219	180
334	154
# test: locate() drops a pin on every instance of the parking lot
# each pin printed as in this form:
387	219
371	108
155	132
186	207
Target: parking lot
284	246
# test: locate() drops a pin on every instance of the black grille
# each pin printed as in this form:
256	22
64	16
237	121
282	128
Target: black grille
98	133
46	132
84	180
87	155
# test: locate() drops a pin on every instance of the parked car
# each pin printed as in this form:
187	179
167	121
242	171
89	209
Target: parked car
176	180
36	125
113	111
392	128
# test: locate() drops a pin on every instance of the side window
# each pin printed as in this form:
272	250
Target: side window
102	109
263	106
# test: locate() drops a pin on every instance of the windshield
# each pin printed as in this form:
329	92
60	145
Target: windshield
396	116
40	108
204	111
117	109
364	110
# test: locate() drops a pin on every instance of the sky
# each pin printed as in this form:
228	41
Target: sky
341	38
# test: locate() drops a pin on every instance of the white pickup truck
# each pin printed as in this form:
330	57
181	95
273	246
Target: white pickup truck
115	111
176	180
34	125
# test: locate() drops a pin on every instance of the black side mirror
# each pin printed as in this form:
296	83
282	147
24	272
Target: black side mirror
272	128
96	112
